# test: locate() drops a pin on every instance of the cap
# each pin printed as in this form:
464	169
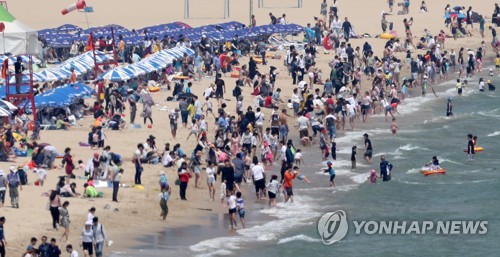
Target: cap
162	172
88	223
96	155
152	137
323	131
329	163
12	168
266	143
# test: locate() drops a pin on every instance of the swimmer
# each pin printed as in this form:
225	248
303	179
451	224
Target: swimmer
394	126
449	108
373	176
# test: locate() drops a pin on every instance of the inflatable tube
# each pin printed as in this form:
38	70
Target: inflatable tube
181	77
235	74
153	89
386	36
258	60
476	149
428	172
327	44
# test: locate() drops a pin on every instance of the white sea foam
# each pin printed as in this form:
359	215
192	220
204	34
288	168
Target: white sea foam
413	171
300	237
361	178
494	134
450	161
288	215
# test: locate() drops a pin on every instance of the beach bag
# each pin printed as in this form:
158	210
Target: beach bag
177	182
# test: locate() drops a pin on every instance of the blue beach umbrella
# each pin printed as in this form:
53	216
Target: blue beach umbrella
115	75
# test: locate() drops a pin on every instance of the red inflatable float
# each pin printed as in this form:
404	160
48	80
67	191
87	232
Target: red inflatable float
78	5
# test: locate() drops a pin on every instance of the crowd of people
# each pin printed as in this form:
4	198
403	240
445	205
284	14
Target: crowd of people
247	143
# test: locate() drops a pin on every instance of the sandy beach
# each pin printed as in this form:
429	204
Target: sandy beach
138	212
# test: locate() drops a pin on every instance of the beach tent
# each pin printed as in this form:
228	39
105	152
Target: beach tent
17	38
62	96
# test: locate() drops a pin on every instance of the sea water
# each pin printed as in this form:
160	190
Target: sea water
468	191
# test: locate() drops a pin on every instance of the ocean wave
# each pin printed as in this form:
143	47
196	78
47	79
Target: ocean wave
300	237
494	134
413	171
450	161
361	178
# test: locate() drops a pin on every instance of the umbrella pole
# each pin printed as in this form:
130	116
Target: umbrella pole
3	37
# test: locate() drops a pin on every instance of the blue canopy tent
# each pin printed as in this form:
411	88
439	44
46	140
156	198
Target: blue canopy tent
62	96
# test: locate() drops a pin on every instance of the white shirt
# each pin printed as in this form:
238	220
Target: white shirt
303	122
41	173
210	172
208	92
167	159
198	106
90	217
481	85
302	84
259	118
74	254
257	172
298	156
283	152
295	98
231	202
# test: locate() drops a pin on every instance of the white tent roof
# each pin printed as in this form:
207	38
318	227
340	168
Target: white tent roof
17	37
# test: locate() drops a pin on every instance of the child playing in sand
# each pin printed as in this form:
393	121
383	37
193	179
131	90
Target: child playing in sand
298	157
81	166
373	176
41	175
240	205
394	126
353	158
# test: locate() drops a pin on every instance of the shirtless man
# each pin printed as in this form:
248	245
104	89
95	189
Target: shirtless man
283	125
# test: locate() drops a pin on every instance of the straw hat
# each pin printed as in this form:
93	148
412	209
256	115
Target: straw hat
12	168
7	126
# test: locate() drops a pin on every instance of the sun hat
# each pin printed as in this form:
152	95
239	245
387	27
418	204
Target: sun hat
162	172
12	168
88	223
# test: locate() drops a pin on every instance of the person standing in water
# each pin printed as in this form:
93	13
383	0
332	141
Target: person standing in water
470	147
385	169
368	148
449	108
459	87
